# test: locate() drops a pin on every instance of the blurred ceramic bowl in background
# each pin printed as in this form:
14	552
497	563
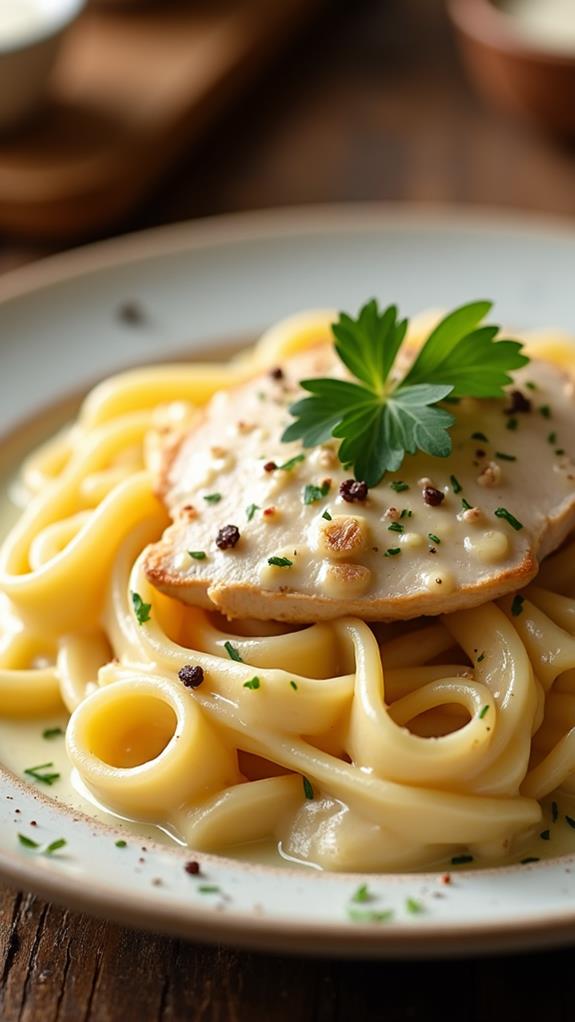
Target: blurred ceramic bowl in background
30	35
521	55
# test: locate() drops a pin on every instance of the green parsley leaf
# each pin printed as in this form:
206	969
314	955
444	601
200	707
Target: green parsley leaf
398	486
280	562
327	516
361	894
395	527
480	436
53	732
414	907
505	457
27	842
253	683
512	423
293	685
208	889
121	843
359	915
307	788
545	411
43	777
570	822
197	555
55	846
251	510
312	493
483	711
517	605
455	484
291	463
380	419
392	551
545	835
141	609
232	652
554	812
433	538
461	860
502	512
212	498
406	513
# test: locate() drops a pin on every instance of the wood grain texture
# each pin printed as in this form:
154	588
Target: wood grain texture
371	105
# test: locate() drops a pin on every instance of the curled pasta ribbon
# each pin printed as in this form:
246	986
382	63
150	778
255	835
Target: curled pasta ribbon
147	749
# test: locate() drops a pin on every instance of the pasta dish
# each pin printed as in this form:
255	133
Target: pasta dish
321	596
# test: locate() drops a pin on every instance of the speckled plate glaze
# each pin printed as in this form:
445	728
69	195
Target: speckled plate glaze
221	280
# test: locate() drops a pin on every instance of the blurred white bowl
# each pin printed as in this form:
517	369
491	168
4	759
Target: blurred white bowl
30	35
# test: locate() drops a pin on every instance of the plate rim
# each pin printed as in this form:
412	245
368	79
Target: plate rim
243	928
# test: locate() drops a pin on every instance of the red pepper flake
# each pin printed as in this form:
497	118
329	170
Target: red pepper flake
433	496
192	867
192	676
227	537
270	466
277	373
353	490
189	511
445	878
269	512
518	403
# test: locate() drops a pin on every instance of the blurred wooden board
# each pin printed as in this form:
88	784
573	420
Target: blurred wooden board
132	89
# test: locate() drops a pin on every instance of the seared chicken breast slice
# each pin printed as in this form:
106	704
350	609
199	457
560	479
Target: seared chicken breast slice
268	530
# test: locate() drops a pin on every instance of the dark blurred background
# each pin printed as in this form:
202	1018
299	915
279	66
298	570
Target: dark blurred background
366	100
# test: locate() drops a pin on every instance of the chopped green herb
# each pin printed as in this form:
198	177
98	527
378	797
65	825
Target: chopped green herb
461	860
307	788
280	562
232	652
455	484
505	457
502	512
251	510
141	609
121	843
545	411
530	385
398	486
560	451
392	551
53	732
406	513
198	555
208	889
45	778
359	915
362	894
294	685
55	846
327	516
554	812
212	498
465	504
312	493
530	858
291	463
517	605
512	423
483	710
433	538
253	683
27	842
552	438
414	907
570	822
480	436
395	527
545	835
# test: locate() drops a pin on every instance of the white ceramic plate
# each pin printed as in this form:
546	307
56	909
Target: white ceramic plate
223	279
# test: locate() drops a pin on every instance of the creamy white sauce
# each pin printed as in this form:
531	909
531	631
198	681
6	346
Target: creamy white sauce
23	745
21	20
548	24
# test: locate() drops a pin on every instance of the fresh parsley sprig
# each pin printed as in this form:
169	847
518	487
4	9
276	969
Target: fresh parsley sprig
379	416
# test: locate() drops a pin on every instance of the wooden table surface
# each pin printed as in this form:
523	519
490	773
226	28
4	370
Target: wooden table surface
369	104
